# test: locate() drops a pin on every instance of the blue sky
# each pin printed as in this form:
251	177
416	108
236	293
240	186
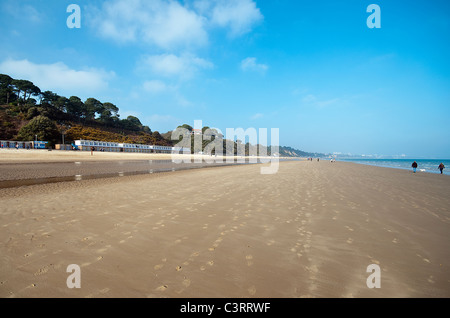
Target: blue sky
313	69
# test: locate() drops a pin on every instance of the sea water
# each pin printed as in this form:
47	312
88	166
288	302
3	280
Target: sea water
423	165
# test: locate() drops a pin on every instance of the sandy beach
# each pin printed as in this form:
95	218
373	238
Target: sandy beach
310	230
33	156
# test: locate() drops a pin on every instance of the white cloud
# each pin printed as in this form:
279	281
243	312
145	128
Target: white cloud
22	12
170	65
309	98
257	116
57	77
155	86
249	64
166	24
328	102
313	100
182	101
170	25
237	15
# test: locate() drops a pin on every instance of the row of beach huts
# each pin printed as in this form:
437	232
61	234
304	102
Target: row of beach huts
92	145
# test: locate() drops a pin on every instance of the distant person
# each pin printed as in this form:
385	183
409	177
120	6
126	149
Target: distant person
92	151
414	166
441	167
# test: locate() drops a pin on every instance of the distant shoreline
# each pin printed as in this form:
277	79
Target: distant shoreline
425	165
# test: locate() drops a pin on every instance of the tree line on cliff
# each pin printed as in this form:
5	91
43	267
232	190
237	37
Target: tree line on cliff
27	112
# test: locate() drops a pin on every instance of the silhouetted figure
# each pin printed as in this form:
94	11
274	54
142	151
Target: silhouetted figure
441	167
414	166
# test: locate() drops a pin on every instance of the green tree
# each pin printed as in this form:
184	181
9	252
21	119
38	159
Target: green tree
32	112
75	108
131	123
26	88
62	103
109	113
146	129
134	121
157	136
7	94
92	106
49	97
188	127
43	127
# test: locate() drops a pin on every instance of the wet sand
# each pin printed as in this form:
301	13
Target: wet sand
310	230
38	155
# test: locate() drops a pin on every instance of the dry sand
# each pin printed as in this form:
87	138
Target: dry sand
22	155
35	155
310	230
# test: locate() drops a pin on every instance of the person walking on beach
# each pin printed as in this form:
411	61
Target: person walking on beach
414	166
441	167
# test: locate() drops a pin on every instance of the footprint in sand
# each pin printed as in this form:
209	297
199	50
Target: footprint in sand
252	290
162	288
423	258
104	249
203	267
249	259
186	282
313	269
349	240
41	271
270	242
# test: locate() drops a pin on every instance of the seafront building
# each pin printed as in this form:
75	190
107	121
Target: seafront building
86	145
23	144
